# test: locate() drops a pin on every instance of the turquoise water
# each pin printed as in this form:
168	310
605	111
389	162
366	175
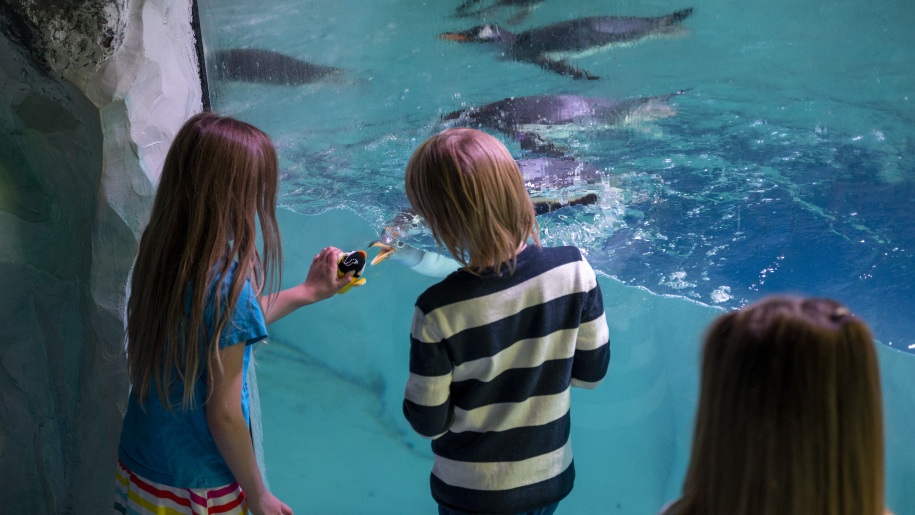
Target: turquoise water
789	165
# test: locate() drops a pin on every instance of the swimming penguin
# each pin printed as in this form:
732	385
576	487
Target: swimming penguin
548	182
527	119
549	46
268	67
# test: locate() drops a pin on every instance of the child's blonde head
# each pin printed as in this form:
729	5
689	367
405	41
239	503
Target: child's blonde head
470	191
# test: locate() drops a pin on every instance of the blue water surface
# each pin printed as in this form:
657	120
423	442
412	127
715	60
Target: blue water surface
790	164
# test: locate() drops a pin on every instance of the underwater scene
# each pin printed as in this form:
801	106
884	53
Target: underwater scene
701	154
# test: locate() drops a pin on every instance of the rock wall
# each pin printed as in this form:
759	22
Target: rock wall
92	93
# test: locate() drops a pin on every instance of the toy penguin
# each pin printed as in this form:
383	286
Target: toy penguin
349	261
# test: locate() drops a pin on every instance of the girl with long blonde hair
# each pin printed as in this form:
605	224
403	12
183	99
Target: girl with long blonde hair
197	302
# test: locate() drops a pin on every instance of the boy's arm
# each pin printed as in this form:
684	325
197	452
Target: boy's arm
592	349
427	399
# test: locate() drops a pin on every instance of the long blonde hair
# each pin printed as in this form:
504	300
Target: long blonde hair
790	419
219	177
468	188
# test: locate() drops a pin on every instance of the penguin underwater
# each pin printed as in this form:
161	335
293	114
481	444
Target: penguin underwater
526	119
543	178
549	46
268	67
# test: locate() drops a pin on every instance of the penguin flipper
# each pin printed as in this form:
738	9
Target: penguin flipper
462	11
562	68
533	142
676	17
521	15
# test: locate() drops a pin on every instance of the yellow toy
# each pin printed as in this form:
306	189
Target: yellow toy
351	261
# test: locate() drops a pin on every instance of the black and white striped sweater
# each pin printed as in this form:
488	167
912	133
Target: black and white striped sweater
492	360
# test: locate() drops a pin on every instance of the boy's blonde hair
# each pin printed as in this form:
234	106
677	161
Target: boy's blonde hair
470	191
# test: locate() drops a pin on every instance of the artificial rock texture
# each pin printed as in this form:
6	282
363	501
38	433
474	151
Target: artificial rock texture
92	93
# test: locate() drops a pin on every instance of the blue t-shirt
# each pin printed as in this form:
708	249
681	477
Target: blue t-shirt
176	448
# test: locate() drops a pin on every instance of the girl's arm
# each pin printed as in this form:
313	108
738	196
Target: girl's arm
322	282
230	432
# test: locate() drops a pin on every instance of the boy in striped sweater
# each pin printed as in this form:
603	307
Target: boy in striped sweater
496	345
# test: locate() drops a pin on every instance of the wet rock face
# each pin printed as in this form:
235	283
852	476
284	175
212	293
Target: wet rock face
84	126
50	168
66	35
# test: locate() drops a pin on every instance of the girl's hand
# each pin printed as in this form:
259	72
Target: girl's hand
322	281
267	504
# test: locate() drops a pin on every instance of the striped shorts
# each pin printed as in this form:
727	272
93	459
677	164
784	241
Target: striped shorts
135	495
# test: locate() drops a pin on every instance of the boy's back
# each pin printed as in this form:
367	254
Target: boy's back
491	363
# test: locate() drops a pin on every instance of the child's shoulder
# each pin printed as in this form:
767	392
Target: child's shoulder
566	253
567	260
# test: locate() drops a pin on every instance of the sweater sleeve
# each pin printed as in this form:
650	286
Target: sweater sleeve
427	400
592	349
